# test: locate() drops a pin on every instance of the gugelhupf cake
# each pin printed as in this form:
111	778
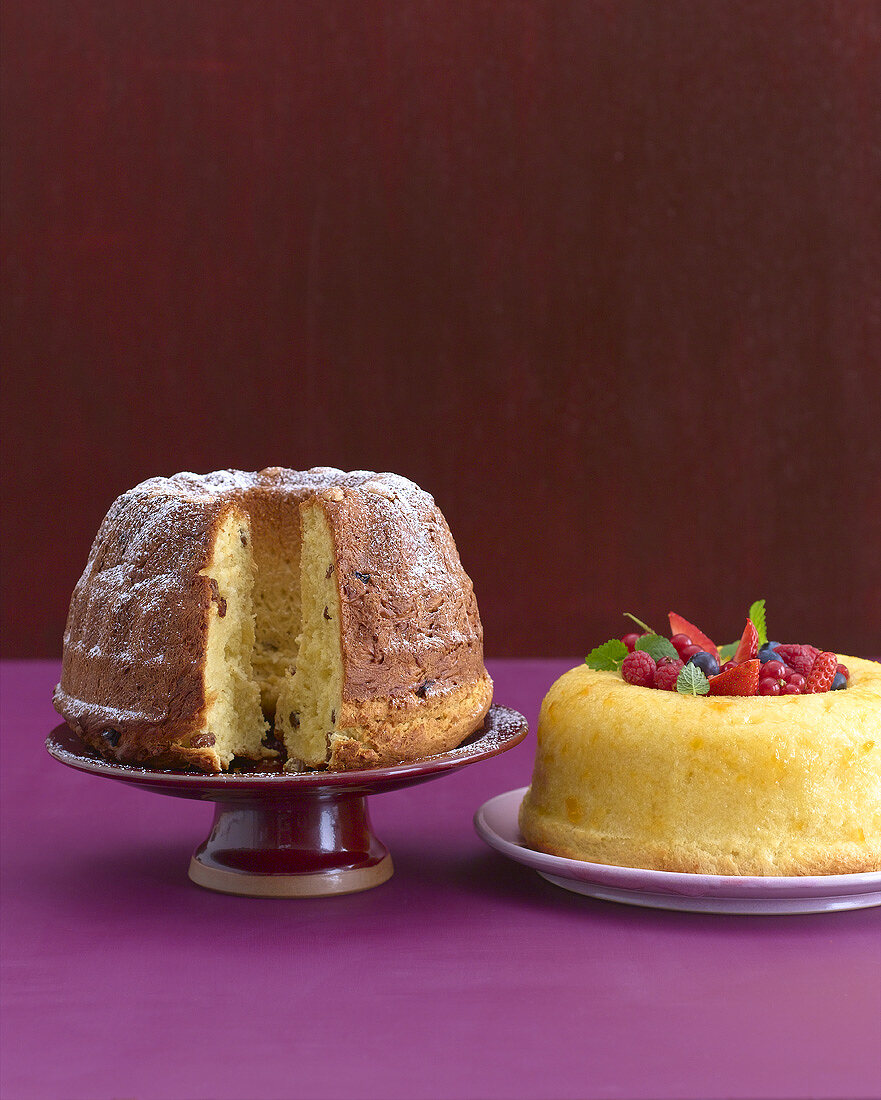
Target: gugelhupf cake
715	774
321	613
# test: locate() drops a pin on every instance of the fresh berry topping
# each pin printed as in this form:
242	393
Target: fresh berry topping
822	674
668	674
799	657
795	681
706	662
678	625
690	662
749	644
737	680
787	681
639	669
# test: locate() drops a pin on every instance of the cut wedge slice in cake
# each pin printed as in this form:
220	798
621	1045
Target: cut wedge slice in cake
233	722
376	677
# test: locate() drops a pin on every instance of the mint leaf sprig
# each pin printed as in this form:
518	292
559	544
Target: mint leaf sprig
657	647
691	681
607	657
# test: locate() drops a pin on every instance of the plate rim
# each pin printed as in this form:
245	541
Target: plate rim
502	728
677	883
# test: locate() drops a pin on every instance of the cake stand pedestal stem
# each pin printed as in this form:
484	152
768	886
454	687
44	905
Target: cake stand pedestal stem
310	845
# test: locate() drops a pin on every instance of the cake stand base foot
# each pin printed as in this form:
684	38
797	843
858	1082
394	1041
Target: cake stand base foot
314	845
312	885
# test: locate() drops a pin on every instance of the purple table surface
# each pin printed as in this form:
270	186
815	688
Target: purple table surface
464	976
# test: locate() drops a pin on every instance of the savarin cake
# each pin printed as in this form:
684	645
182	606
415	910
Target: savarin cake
767	763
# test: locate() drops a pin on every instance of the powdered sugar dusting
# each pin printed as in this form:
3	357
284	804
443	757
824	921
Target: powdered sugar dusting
132	639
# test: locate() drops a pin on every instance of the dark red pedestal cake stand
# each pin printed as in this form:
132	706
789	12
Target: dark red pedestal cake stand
292	834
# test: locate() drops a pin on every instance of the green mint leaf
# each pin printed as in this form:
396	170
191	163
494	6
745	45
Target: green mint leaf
691	681
757	616
657	647
639	623
607	657
726	652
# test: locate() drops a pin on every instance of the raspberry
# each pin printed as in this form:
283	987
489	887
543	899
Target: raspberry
668	674
822	674
639	669
800	658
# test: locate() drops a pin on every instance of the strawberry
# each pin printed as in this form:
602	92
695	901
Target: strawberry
822	674
800	658
749	644
678	625
737	680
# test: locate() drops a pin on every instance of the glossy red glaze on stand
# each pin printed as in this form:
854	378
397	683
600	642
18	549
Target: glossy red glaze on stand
313	844
292	834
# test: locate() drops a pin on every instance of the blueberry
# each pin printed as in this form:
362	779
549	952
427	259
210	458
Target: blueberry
839	682
769	652
706	662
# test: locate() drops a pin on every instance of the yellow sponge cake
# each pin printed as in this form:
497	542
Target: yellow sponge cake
715	784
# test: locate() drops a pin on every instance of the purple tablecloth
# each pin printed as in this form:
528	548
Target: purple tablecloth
464	976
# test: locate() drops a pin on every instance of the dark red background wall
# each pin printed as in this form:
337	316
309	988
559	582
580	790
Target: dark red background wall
603	276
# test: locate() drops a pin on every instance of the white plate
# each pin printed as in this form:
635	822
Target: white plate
496	823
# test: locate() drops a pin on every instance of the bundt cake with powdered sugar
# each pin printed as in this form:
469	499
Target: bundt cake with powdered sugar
322	614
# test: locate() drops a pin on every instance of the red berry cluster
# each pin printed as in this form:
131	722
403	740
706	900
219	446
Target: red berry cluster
641	669
777	679
771	669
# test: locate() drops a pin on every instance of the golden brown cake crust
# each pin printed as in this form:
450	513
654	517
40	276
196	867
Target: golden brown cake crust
131	682
405	729
409	625
636	777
